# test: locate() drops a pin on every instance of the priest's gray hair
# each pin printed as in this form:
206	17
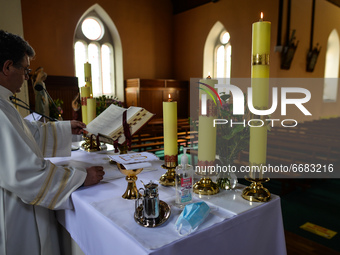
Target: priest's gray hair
13	47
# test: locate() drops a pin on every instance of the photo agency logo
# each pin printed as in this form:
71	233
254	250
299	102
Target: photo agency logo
260	116
205	87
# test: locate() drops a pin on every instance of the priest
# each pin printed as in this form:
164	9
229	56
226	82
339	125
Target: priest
30	186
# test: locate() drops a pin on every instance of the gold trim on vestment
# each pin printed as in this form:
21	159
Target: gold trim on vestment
47	183
55	140
44	140
62	186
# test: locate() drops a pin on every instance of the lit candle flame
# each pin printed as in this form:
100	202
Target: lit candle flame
169	99
209	77
261	16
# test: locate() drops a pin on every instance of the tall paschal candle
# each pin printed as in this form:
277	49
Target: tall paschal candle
170	132
260	89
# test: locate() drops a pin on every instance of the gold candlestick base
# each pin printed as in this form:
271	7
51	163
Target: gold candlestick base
168	179
206	186
90	144
256	192
131	191
123	148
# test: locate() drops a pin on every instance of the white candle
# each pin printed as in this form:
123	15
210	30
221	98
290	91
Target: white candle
206	129
84	94
170	131
91	109
260	89
88	76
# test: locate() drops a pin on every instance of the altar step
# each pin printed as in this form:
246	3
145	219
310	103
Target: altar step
298	245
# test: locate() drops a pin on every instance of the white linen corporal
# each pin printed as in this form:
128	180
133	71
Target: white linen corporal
30	186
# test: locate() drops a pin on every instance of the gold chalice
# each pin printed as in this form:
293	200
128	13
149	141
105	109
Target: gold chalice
131	177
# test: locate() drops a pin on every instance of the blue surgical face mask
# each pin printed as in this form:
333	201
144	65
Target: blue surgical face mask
191	217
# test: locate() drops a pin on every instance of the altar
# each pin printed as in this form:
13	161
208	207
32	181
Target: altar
102	222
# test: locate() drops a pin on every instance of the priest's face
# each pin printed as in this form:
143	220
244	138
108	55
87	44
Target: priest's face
19	74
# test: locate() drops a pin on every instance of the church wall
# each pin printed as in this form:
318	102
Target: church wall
192	27
144	26
158	44
11	10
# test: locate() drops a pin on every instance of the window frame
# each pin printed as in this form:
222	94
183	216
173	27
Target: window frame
105	39
226	61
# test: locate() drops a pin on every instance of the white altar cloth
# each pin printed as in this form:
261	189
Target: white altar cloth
102	222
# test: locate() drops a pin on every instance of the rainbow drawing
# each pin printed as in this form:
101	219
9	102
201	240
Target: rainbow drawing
209	93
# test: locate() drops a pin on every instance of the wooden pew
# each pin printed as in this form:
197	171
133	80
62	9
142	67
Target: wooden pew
152	144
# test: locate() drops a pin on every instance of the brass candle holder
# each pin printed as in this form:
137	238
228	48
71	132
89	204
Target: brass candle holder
131	191
256	192
168	179
205	186
123	148
91	144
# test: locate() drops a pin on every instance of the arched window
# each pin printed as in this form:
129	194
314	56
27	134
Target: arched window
217	53
222	62
331	67
94	45
107	63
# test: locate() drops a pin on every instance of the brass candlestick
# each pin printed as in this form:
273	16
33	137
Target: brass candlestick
168	179
205	186
123	148
91	144
256	192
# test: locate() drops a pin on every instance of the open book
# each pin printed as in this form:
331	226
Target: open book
109	124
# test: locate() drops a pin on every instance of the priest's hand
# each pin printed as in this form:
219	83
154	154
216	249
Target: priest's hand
94	175
77	127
